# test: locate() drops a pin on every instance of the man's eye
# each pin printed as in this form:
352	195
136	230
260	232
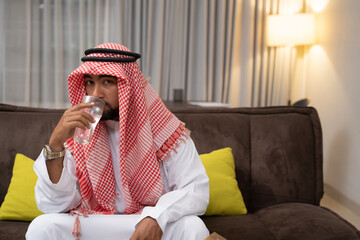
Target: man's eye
109	81
89	82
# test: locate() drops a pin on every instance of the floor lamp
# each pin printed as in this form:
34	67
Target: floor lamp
291	30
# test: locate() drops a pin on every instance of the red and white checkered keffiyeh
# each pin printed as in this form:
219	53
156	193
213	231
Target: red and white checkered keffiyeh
148	131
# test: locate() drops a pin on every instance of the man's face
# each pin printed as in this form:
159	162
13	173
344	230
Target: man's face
104	87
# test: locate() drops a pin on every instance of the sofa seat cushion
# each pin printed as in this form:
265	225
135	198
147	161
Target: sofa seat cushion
13	230
244	227
305	221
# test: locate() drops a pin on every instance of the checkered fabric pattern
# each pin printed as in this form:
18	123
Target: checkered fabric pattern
148	131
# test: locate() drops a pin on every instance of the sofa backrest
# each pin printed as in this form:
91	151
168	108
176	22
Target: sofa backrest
22	130
277	150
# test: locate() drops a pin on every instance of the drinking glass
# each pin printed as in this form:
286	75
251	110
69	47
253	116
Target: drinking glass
83	136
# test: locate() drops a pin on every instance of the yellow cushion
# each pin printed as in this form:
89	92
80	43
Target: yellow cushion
225	195
19	202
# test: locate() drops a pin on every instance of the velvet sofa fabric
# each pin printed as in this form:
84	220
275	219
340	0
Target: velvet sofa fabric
278	165
277	150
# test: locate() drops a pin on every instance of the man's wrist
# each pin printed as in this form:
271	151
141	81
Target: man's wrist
56	147
50	154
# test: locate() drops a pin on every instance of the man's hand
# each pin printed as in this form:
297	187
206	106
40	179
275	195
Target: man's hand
72	118
147	229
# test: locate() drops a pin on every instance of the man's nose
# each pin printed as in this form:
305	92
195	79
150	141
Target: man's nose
98	91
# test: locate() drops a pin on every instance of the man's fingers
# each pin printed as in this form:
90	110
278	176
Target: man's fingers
82	105
78	107
82	120
80	114
72	118
78	124
85	115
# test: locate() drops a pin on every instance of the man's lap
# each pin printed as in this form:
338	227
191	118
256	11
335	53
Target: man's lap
109	227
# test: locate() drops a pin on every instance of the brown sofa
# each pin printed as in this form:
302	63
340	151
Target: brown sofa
278	158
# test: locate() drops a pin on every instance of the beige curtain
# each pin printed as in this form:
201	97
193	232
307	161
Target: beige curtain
184	44
214	50
261	75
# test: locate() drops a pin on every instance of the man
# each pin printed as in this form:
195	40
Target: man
140	177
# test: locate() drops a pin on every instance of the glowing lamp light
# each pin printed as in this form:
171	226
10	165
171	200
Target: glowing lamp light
295	29
317	5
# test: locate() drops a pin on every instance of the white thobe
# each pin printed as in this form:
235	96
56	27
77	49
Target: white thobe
185	182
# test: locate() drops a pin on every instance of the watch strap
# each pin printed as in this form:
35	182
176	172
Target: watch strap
48	154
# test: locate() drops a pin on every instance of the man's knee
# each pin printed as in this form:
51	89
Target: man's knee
41	227
194	223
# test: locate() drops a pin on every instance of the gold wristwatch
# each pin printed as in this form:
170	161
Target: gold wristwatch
48	154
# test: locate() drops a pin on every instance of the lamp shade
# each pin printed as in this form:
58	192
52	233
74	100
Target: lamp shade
295	29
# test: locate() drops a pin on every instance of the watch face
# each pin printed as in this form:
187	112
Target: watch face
45	151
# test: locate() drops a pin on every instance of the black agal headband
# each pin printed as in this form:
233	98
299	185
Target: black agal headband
132	56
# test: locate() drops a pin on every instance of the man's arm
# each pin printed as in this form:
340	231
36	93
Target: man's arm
62	196
72	118
189	188
56	187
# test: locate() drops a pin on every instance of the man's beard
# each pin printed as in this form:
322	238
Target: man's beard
111	114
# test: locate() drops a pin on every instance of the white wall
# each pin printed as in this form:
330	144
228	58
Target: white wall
333	85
